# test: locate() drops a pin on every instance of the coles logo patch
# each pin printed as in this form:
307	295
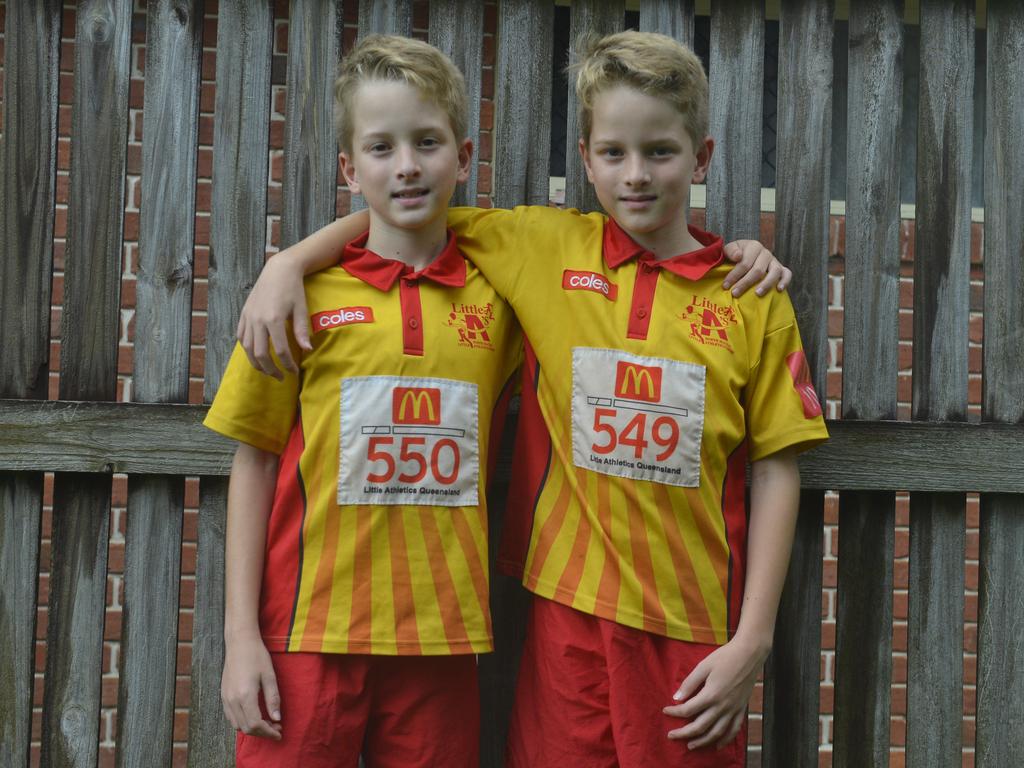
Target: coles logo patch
801	373
589	281
335	318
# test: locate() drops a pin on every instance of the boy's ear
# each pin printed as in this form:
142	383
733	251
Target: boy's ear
585	154
348	170
704	151
465	160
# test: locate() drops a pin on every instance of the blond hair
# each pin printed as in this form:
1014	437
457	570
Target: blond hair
653	64
401	59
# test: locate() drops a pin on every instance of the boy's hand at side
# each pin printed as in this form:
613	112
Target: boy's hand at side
754	264
715	694
277	296
247	670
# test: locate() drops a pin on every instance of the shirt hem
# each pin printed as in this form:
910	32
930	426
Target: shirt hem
382	648
687	633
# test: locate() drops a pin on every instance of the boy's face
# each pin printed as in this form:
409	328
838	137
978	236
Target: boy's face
641	161
405	159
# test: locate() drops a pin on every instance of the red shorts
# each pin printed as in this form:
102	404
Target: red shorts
403	711
590	693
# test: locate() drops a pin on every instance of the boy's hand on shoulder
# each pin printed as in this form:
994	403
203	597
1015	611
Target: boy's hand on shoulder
715	695
277	296
754	264
247	670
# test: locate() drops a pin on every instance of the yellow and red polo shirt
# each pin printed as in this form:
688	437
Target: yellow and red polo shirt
377	538
647	387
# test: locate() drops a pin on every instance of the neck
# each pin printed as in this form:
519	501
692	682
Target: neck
671	240
415	247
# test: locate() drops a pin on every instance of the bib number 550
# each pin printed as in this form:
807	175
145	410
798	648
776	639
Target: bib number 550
442	463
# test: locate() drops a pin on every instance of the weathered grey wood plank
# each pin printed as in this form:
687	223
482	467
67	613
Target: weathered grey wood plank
864	608
239	197
736	82
27	181
385	17
458	29
805	134
164	305
74	634
167	213
593	17
791	673
941	304
20	516
170	439
92	272
149	638
522	109
1001	579
27	177
211	740
669	17
90	323
310	147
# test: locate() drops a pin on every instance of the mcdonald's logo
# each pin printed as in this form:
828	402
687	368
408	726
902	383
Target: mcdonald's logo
416	405
638	382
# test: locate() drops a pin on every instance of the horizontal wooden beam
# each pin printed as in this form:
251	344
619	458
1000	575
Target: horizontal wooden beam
169	439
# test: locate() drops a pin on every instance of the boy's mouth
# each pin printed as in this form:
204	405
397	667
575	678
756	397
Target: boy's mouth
412	194
637	201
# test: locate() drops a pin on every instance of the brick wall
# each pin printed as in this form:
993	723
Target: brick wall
112	631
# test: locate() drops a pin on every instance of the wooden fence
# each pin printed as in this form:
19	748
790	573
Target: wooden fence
157	440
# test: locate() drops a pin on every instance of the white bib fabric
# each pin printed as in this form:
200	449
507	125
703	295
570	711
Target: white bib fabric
407	440
637	417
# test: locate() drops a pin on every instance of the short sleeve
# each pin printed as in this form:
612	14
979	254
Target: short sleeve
508	246
252	407
783	410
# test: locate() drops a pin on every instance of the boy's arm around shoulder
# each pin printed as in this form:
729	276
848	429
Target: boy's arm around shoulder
715	695
278	296
247	665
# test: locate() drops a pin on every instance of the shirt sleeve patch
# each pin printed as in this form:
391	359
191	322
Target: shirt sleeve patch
801	373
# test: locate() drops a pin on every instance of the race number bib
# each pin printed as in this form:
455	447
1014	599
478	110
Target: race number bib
408	441
637	417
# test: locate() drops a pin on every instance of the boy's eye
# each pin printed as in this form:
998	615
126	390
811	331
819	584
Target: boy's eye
429	142
661	152
612	152
378	147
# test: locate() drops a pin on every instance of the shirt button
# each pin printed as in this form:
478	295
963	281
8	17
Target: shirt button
414	323
641	313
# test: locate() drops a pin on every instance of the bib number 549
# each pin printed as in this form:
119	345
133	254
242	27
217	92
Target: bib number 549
664	433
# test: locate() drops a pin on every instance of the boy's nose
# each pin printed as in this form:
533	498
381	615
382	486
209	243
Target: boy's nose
408	165
636	172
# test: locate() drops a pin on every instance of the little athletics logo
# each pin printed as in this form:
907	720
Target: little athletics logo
709	322
472	321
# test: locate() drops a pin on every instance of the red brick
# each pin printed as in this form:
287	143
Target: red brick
280	37
207	101
208	64
486	115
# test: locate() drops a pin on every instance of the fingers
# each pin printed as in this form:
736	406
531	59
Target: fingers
271	695
692	683
259	353
755	264
300	322
279	339
734	728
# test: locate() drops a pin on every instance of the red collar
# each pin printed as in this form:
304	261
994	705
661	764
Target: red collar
619	248
448	268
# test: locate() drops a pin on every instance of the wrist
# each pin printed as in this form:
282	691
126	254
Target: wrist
758	641
242	632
